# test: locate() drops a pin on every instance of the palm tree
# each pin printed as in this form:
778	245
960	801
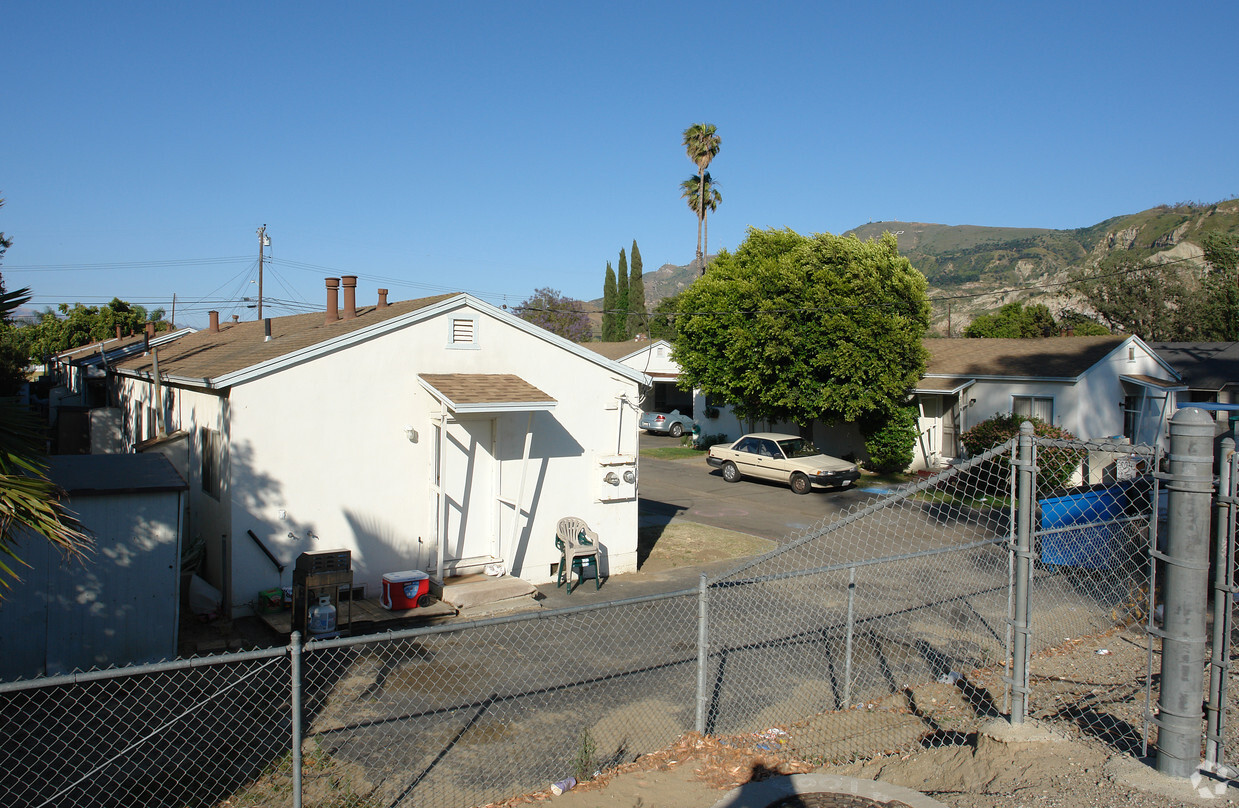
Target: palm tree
701	143
690	190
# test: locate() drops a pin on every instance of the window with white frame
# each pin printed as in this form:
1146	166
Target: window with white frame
1041	407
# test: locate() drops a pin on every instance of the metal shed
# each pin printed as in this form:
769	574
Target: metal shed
121	605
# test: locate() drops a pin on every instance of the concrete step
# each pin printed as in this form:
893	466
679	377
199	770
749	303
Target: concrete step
475	590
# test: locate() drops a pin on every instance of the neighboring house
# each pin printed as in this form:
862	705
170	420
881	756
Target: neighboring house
440	434
82	418
1094	387
1210	370
653	358
117	605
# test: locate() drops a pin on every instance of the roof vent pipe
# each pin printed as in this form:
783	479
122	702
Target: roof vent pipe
236	318
214	317
350	296
266	329
382	299
333	292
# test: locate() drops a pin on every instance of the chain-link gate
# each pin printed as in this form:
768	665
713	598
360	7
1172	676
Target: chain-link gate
896	625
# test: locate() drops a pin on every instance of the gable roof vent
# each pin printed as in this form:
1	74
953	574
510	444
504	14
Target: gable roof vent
462	330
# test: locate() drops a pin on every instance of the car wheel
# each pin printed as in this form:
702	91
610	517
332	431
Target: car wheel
730	473
676	430
800	483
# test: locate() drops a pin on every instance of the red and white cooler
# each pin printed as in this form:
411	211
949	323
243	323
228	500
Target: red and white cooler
405	590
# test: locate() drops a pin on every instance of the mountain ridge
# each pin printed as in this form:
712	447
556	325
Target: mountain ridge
973	269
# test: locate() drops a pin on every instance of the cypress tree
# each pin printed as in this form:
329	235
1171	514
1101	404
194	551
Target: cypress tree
609	297
636	294
621	298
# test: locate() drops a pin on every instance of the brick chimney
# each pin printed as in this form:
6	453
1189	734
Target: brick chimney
350	296
382	299
214	327
150	329
333	300
118	330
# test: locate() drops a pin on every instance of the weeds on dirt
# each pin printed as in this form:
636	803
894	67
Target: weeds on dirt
583	763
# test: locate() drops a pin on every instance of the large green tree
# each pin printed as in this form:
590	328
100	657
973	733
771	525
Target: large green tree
610	306
701	144
798	328
636	294
621	298
1170	302
73	326
1018	321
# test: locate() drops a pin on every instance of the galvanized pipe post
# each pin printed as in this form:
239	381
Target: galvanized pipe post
1024	493
294	654
703	652
1223	589
1190	486
847	659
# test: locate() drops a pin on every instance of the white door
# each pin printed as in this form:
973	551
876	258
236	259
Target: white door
468	480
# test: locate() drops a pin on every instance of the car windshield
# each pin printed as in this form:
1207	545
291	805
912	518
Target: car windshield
798	447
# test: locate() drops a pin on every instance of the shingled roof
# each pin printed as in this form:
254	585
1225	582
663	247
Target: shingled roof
1203	365
1049	357
236	346
618	350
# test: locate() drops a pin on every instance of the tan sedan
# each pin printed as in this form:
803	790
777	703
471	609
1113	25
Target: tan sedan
782	458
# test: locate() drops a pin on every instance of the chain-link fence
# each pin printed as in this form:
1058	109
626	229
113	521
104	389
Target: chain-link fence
909	621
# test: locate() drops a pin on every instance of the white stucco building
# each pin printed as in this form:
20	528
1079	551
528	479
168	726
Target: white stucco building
440	434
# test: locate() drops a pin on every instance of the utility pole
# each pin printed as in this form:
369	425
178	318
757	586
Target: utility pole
172	321
263	242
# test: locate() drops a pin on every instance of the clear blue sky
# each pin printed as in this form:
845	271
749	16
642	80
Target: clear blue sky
501	147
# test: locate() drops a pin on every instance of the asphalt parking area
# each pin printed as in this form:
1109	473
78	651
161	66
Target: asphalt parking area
691	490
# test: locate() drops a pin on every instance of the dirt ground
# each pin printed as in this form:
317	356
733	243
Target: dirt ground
1050	763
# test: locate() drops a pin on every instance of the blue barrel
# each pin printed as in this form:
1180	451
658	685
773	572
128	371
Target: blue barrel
1097	542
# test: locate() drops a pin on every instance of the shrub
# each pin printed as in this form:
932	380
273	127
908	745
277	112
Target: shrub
891	443
1055	464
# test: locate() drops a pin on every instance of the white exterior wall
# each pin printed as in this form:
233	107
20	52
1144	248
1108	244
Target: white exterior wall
325	442
654	360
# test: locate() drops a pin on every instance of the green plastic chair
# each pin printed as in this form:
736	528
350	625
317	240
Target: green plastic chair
578	551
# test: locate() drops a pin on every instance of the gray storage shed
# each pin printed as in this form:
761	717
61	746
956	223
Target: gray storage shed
121	605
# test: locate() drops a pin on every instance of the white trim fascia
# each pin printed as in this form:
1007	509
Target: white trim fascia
919	391
1022	379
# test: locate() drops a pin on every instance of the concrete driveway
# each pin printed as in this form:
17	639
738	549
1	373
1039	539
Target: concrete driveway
691	490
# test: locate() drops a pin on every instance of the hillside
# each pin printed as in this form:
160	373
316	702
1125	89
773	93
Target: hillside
973	269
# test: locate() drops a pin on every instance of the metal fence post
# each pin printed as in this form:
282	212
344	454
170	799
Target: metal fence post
703	652
847	659
1223	554
294	683
1023	567
1190	485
